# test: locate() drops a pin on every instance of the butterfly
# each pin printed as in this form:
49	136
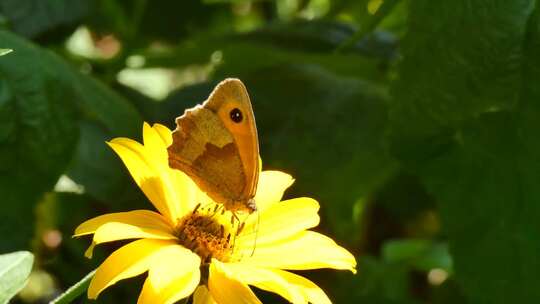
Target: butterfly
216	145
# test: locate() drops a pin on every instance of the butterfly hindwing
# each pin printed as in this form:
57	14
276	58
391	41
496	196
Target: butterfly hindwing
219	151
206	162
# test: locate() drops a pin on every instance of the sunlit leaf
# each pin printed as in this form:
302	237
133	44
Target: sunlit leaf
5	51
14	271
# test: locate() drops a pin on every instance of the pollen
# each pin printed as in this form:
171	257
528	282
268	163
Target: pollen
206	236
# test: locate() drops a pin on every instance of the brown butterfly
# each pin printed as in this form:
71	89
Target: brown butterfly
216	145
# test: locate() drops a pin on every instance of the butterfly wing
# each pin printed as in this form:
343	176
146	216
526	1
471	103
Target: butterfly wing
216	145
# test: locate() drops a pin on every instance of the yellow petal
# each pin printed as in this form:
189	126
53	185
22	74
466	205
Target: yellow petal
266	280
140	218
306	250
120	231
164	133
181	191
188	193
130	260
271	186
227	290
155	145
140	164
156	139
168	189
279	221
174	274
90	251
177	290
203	296
311	292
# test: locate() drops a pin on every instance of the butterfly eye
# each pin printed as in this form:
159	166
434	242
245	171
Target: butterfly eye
236	115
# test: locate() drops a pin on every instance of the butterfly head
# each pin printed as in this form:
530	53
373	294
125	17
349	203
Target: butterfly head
249	206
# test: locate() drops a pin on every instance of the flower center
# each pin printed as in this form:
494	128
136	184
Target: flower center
203	234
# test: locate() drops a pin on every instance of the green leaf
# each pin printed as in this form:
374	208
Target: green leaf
449	74
44	104
285	44
15	268
106	115
38	133
321	36
369	26
5	51
31	18
140	22
341	121
489	198
465	119
422	254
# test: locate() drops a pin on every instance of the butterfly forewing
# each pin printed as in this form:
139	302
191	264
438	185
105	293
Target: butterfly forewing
216	145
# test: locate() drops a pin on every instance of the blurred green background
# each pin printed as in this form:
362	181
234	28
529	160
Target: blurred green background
414	123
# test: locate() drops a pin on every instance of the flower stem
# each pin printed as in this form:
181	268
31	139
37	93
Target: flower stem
74	291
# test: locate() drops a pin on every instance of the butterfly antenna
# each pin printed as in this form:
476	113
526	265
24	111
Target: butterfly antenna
239	229
256	233
234	216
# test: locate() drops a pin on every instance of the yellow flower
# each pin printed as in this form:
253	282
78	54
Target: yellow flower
192	247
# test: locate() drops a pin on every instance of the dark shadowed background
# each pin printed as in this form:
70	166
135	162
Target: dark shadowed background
414	123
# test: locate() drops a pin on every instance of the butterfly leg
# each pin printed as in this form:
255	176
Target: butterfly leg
240	228
196	208
234	216
216	210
